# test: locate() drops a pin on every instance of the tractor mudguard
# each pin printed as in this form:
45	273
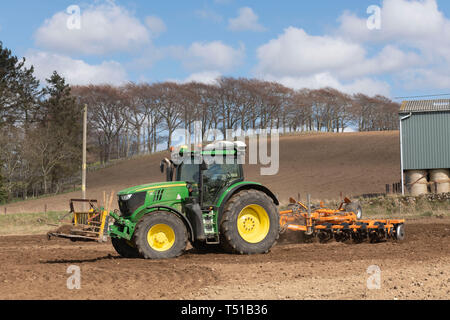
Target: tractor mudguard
177	213
244	186
195	216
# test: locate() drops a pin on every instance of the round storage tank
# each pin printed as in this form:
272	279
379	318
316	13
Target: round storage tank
417	182
440	177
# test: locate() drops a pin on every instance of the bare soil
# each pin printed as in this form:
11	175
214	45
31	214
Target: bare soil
418	268
320	164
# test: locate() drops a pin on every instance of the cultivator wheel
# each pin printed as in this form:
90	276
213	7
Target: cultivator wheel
400	232
354	207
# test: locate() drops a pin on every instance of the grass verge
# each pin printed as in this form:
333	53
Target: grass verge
405	207
28	223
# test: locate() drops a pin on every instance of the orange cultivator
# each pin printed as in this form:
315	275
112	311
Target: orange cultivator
342	224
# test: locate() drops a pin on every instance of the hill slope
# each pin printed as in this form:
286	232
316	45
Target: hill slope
320	164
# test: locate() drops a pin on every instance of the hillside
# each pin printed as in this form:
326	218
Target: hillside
320	164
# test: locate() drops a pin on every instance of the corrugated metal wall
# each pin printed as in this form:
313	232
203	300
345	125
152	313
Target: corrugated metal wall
426	140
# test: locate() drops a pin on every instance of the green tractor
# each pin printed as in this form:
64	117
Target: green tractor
204	200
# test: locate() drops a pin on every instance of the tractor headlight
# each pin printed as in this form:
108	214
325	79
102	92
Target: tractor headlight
126	197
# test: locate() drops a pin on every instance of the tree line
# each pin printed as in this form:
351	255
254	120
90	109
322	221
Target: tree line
41	129
137	118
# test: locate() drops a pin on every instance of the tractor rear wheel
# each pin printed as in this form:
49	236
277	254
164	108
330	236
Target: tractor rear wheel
125	248
249	223
160	235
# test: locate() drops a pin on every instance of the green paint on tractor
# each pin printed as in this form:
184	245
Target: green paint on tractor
196	203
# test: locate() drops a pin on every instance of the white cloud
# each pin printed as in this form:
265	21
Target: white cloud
246	20
389	60
214	55
322	80
105	28
432	78
295	52
408	54
206	77
76	72
156	25
413	22
417	26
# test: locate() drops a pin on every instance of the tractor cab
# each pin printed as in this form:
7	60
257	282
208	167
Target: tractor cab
208	172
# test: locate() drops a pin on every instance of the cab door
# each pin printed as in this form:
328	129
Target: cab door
216	179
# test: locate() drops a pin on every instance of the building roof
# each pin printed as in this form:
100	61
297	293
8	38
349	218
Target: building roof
425	105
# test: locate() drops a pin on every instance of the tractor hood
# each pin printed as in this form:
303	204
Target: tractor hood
152	186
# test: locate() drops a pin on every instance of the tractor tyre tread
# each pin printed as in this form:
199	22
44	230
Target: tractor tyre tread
230	240
124	249
164	217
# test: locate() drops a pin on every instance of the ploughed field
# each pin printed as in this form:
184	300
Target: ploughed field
320	164
417	268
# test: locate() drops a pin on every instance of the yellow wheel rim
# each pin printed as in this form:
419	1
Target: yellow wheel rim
253	223
161	237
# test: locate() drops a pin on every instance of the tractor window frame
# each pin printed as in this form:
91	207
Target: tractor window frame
222	189
179	171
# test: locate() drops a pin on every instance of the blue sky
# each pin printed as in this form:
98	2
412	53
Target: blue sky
298	43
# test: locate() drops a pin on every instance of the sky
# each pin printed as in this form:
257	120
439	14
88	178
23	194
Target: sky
389	47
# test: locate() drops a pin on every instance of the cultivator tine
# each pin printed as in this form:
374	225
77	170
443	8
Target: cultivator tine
339	224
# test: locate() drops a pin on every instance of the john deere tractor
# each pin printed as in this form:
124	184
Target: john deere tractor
204	200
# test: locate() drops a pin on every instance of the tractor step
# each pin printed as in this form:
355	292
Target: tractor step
214	240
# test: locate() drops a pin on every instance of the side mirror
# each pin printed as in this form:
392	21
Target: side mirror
204	166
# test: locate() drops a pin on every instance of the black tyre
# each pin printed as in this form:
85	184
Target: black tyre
400	232
160	235
249	223
354	207
125	248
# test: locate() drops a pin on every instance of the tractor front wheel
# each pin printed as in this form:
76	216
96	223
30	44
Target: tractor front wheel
125	248
249	223
160	235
